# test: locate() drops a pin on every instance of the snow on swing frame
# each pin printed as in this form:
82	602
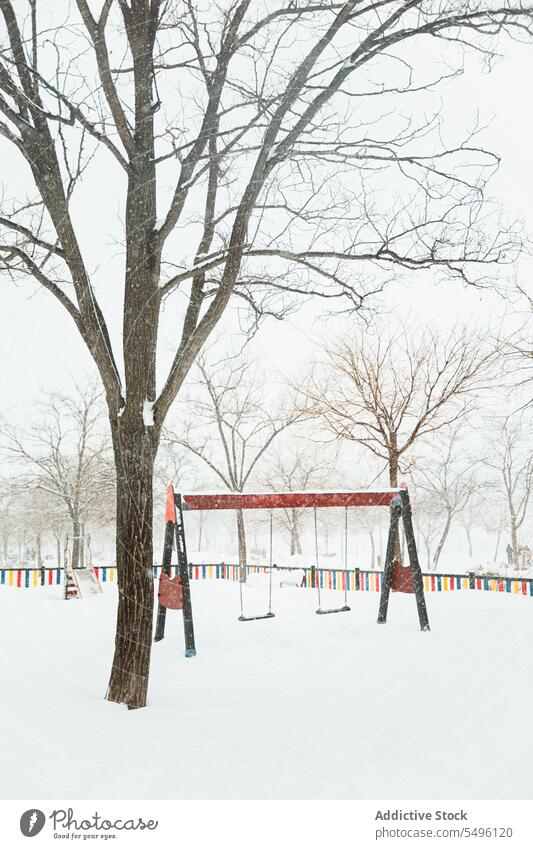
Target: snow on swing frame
395	576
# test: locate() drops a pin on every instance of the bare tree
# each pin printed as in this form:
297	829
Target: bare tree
8	515
511	459
518	348
65	451
58	525
495	520
233	422
483	512
429	524
271	145
174	465
39	513
297	469
388	391
467	520
27	514
449	480
367	520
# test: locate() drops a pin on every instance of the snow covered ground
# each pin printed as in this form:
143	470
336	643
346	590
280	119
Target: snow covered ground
300	706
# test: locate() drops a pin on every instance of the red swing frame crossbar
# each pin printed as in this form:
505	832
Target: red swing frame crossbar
279	500
396	499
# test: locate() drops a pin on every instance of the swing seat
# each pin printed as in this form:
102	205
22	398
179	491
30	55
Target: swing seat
343	609
243	618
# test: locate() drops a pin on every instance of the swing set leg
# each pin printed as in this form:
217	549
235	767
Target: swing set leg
395	512
418	581
175	533
401	507
167	560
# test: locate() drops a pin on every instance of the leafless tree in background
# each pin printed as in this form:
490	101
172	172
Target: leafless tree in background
172	466
8	515
288	177
518	347
469	518
429	523
39	513
367	521
297	469
58	526
231	426
510	459
28	515
449	480
499	523
65	452
390	390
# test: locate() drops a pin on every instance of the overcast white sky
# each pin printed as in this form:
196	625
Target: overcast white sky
40	346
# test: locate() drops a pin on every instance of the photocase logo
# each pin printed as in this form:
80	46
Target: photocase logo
32	822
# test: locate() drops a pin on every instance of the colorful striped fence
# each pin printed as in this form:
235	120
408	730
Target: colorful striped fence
30	577
333	579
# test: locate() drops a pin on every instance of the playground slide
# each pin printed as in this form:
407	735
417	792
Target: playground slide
88	581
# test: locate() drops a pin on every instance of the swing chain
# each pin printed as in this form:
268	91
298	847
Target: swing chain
345	556
317	569
317	573
269	614
240	593
270	565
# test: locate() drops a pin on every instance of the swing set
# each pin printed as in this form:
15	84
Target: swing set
175	593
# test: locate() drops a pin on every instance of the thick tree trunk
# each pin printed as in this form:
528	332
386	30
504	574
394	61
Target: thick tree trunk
136	432
58	551
39	549
241	535
134	556
393	469
393	483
